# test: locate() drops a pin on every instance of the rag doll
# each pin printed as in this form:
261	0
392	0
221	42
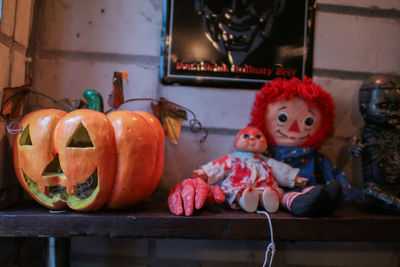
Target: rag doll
248	177
296	117
378	144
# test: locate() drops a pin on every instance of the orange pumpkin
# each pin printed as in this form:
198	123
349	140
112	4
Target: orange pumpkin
85	159
140	157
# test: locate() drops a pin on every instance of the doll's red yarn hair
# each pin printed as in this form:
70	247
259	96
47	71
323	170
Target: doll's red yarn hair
314	96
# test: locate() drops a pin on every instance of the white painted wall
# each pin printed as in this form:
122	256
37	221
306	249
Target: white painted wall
79	44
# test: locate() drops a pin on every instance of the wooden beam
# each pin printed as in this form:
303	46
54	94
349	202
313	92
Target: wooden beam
153	220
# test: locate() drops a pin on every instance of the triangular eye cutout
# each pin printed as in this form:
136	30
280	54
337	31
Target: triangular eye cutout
25	139
80	138
53	168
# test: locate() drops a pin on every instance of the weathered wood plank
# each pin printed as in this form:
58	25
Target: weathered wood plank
153	220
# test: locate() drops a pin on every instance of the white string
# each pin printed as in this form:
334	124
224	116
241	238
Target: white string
271	246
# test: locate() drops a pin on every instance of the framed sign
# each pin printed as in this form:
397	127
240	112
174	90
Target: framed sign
236	43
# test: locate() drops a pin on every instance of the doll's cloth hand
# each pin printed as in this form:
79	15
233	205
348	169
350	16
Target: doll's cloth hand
200	173
193	193
300	181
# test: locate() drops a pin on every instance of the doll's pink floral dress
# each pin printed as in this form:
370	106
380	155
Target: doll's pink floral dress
241	170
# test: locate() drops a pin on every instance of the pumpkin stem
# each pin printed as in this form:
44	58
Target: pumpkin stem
94	99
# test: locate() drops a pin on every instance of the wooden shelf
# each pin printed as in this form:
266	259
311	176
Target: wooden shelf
153	220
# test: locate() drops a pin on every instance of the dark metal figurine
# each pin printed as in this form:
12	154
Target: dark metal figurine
378	144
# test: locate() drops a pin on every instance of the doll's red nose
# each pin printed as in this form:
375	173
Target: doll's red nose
294	127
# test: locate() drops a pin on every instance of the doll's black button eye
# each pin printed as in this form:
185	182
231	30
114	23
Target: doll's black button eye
309	121
282	117
246	136
258	136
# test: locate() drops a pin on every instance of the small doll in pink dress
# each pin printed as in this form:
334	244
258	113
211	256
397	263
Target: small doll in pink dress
248	177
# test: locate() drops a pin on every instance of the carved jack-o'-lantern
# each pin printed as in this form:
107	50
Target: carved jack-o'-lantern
66	159
73	159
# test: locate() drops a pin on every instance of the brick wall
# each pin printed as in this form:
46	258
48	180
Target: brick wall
77	45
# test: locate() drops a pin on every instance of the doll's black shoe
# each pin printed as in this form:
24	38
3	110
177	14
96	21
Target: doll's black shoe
307	202
334	190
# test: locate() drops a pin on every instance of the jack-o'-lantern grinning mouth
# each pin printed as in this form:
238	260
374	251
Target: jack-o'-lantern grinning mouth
82	191
59	192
